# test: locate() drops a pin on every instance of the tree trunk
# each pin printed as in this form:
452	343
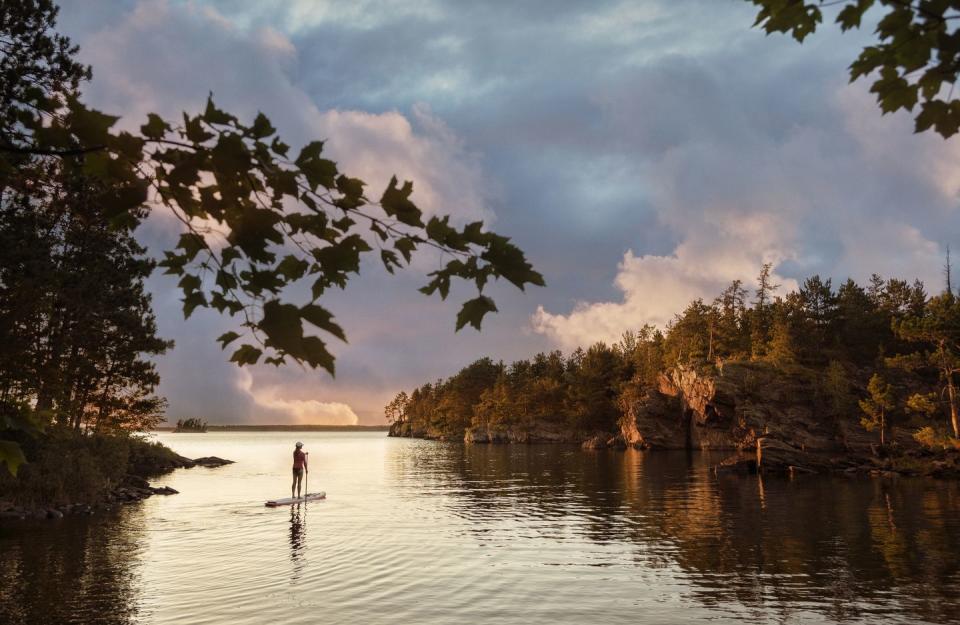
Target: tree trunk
948	371
883	427
952	394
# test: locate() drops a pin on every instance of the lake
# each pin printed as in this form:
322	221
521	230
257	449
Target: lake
427	532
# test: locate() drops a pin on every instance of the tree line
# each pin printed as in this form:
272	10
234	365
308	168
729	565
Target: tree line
878	351
190	424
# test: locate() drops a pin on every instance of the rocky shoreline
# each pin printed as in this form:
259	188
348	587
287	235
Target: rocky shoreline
132	489
768	418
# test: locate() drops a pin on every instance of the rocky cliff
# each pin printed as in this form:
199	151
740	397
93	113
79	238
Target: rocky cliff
691	409
405	429
527	432
772	418
535	432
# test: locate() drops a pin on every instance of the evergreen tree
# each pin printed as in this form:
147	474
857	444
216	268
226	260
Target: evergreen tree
838	389
396	410
937	328
75	320
761	317
592	389
819	309
782	348
860	328
876	406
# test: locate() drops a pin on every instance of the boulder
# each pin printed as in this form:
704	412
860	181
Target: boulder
211	461
776	456
476	435
595	442
135	481
738	463
616	442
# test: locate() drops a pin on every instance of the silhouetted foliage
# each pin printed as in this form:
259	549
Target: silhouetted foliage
914	61
191	424
257	215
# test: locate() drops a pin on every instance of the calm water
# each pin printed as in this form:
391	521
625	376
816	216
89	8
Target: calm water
427	532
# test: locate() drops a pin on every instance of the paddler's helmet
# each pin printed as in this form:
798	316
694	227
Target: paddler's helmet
299	444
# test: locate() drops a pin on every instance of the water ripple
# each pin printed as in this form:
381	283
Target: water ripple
426	532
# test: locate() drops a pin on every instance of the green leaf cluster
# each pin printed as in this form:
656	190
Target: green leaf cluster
255	219
913	63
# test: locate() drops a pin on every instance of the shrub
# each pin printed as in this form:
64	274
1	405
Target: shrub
936	439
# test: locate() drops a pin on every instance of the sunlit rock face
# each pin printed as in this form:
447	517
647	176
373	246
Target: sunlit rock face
655	421
732	407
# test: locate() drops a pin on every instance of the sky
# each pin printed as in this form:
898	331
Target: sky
642	153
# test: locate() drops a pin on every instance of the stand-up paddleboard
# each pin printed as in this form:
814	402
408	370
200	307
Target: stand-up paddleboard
273	503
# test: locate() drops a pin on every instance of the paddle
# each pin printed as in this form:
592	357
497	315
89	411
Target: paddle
306	477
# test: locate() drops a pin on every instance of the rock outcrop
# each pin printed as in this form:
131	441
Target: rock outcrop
211	462
655	421
405	429
537	432
604	441
768	416
771	419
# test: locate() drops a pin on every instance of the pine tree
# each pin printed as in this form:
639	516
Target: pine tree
782	349
837	386
937	327
761	318
879	402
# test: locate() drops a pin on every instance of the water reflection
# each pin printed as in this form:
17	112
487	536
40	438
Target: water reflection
434	533
298	531
842	548
73	571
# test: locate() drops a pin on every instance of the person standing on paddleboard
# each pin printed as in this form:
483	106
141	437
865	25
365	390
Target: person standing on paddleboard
299	468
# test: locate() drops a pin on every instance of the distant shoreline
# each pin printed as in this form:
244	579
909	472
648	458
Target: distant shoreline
285	428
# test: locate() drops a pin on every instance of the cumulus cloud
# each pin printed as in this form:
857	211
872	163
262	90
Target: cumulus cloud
655	288
846	193
642	156
447	177
295	411
165	57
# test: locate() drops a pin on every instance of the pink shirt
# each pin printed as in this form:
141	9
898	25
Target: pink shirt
299	459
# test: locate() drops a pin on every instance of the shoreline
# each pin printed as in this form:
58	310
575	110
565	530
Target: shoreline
281	428
128	487
889	463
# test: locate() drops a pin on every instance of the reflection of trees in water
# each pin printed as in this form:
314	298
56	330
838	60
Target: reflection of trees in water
73	571
772	545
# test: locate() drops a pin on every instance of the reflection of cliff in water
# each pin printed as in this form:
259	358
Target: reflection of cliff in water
833	545
80	570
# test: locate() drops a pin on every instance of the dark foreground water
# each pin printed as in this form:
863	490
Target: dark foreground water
426	532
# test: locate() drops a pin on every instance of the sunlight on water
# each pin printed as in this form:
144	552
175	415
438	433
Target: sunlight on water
426	532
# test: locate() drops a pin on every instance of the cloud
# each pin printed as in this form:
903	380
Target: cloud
655	288
842	193
447	178
296	411
165	57
641	156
